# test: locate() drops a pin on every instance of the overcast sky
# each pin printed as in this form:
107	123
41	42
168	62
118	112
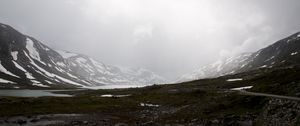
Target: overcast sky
169	37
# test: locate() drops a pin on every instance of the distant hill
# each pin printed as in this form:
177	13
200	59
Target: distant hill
282	52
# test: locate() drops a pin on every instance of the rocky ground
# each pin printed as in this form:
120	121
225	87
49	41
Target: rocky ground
208	102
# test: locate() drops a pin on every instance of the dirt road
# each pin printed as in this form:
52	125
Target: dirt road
243	92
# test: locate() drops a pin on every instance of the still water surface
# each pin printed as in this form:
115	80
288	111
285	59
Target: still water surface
42	93
32	93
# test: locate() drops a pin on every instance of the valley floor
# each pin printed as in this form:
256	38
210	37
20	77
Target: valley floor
208	102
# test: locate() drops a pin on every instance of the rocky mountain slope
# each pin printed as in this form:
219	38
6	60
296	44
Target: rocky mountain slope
285	51
99	73
27	63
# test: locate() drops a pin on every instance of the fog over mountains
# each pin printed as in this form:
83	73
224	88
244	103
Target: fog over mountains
282	52
27	62
170	37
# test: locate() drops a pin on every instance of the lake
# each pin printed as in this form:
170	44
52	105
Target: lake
32	93
114	86
42	93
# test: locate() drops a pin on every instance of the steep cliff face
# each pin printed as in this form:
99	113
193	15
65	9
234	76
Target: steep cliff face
27	62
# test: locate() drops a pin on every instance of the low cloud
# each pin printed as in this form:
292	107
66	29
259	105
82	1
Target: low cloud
169	37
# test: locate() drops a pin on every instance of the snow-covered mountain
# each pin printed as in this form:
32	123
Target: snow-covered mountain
283	52
27	63
99	73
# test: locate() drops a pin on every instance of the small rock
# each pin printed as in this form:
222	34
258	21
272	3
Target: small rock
21	122
150	123
215	121
75	123
34	120
85	122
121	124
92	124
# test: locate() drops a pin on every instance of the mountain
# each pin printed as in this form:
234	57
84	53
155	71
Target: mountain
99	73
28	63
282	52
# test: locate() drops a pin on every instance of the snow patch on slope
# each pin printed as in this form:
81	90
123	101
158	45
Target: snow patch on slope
80	60
114	96
68	81
294	53
2	69
270	59
3	26
6	81
263	66
219	68
66	54
236	79
51	74
61	64
15	55
241	88
100	66
37	83
28	75
48	82
32	51
40	85
218	65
